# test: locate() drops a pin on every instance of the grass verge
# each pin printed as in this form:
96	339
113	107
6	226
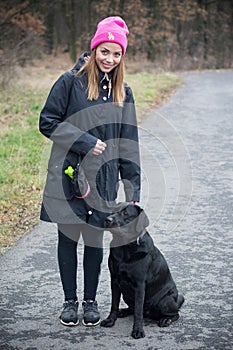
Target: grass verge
24	151
150	90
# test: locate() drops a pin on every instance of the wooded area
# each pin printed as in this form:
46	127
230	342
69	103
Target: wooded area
174	35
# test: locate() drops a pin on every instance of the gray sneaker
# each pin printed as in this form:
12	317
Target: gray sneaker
91	316
69	315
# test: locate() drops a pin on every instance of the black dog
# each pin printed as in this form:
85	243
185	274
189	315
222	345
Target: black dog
139	272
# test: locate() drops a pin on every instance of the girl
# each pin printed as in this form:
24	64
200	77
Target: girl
90	117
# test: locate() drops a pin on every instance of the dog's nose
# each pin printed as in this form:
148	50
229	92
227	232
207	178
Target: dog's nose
108	221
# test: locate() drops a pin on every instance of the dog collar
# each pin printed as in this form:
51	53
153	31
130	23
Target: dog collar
141	236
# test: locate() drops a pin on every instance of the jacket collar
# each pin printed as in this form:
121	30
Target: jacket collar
105	76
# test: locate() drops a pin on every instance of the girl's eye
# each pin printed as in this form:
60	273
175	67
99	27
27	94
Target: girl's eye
104	52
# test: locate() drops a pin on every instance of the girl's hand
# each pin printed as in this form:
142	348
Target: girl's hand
99	148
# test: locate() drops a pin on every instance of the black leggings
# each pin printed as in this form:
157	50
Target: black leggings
68	237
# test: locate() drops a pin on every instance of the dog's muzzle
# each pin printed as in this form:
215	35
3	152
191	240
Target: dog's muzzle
108	221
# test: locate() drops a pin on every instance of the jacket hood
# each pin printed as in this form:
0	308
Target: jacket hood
81	61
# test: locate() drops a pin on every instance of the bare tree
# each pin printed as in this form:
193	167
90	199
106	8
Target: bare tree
179	34
20	31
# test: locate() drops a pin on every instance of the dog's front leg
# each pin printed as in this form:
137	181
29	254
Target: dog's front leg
138	331
116	295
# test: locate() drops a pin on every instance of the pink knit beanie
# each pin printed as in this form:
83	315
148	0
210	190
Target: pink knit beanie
111	29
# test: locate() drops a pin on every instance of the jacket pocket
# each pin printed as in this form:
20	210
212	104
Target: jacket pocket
58	184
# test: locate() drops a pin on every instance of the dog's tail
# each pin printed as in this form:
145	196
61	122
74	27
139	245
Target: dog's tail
170	306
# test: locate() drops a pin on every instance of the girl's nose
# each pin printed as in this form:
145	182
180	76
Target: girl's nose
109	58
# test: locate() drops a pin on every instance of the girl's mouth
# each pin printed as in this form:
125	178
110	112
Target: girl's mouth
107	66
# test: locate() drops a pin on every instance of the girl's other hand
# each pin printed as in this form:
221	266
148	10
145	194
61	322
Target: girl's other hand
99	148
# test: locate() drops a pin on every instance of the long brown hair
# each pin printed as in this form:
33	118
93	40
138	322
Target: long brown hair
117	83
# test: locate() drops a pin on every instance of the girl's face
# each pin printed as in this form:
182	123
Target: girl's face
108	56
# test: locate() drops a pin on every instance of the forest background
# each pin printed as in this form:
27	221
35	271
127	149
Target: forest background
172	35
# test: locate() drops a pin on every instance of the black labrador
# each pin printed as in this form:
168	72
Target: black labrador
139	272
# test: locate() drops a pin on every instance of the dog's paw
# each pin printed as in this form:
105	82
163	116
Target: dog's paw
138	333
167	321
108	322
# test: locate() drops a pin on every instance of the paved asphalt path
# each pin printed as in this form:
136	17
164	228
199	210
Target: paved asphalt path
187	162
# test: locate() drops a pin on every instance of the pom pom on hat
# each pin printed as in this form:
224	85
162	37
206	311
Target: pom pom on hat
111	29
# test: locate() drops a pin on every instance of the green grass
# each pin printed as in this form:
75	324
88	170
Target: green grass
21	146
24	151
150	90
21	141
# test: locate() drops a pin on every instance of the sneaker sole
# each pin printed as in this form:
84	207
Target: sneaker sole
90	324
70	324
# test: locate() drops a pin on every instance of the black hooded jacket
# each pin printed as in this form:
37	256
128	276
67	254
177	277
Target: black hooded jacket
74	124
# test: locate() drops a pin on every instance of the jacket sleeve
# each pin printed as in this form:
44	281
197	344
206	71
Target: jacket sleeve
54	124
129	158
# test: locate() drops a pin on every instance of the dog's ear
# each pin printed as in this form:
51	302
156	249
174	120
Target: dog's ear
142	221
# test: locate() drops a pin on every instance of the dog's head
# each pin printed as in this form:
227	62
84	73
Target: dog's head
127	223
